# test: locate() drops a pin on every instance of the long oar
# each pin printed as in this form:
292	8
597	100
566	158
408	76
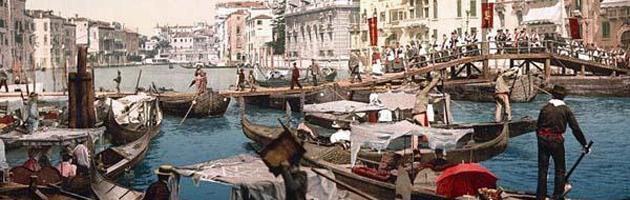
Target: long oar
566	178
192	103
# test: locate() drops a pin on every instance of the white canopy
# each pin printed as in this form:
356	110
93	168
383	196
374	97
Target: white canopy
378	136
343	106
250	177
615	3
55	137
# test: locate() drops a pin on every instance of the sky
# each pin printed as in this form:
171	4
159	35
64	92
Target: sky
140	15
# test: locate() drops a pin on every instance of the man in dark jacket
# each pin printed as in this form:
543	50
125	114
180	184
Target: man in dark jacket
159	190
552	123
295	77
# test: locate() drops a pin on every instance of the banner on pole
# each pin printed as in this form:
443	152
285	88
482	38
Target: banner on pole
575	29
373	31
488	15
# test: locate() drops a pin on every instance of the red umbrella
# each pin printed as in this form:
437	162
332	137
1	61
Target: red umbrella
464	179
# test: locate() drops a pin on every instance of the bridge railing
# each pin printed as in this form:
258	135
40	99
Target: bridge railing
556	47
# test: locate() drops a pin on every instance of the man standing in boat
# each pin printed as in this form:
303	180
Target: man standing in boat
502	96
295	77
420	108
552	123
159	190
118	79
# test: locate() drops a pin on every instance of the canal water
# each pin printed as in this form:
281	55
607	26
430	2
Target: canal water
603	174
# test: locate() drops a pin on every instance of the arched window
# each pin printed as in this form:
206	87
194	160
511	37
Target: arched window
625	39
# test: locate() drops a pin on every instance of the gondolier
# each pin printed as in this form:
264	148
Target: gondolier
420	108
502	96
118	79
552	123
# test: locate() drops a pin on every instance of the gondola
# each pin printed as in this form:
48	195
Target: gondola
209	104
105	189
468	149
124	134
523	89
115	160
20	191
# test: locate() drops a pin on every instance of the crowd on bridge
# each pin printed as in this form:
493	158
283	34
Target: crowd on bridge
415	54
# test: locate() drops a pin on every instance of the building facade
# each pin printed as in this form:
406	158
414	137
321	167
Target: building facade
320	30
615	24
220	27
50	39
16	35
259	33
236	36
69	46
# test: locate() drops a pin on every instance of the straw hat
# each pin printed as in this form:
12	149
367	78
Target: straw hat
164	170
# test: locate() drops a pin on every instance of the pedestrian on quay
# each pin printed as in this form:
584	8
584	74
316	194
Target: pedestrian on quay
118	79
295	77
159	190
32	117
552	123
252	81
314	69
353	67
4	76
419	111
502	96
240	84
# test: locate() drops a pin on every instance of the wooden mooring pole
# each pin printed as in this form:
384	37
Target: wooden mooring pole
81	94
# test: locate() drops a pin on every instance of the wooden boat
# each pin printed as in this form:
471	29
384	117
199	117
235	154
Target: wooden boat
330	75
522	89
124	134
105	189
468	149
279	101
209	104
116	160
617	86
25	192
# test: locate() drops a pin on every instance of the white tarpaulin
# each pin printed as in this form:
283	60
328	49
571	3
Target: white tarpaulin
614	3
56	136
251	179
128	109
400	100
378	136
343	106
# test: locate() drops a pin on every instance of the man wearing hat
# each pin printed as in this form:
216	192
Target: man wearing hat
502	95
159	190
552	123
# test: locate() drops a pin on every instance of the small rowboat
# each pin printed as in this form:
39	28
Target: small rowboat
209	104
116	160
124	134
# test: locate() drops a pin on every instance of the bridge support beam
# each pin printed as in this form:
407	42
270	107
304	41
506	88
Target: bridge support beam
582	71
547	70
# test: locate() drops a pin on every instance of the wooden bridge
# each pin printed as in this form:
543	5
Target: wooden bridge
552	53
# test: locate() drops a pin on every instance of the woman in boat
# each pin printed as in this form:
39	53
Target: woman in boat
32	162
66	167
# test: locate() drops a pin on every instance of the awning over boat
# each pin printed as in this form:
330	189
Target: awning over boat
553	14
343	106
615	3
56	137
128	109
251	178
378	136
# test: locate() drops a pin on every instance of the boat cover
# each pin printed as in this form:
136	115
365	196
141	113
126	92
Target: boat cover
56	137
343	106
250	179
129	109
378	136
400	100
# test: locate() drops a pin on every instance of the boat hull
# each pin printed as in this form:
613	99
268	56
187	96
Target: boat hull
594	85
208	105
522	90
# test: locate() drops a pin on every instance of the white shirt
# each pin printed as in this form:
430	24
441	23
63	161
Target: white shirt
385	116
82	155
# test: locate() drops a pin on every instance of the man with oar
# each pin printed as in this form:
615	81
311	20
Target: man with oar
552	123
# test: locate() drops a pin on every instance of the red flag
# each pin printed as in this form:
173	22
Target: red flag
488	15
373	31
575	29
